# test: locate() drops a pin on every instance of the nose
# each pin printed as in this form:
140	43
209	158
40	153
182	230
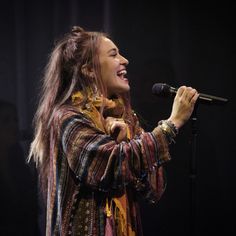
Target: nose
123	60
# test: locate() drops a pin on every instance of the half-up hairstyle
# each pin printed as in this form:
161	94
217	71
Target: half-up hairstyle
64	74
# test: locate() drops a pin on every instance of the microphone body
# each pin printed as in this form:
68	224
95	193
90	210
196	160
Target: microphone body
165	90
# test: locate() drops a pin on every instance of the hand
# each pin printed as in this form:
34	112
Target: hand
117	128
183	105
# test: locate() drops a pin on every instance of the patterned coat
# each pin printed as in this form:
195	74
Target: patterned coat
88	168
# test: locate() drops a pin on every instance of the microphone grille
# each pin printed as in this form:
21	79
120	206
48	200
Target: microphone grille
161	89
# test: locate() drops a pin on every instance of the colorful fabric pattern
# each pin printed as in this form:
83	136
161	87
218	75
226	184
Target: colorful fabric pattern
87	167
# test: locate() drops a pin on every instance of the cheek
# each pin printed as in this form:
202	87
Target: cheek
107	72
104	75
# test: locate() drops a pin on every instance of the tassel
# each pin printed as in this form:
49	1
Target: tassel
109	229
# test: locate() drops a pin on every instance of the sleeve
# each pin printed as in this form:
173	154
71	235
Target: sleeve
100	163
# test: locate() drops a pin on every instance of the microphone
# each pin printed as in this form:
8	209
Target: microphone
165	90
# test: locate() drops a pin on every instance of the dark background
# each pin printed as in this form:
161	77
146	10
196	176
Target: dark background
177	42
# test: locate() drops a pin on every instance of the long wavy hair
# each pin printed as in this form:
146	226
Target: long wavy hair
64	75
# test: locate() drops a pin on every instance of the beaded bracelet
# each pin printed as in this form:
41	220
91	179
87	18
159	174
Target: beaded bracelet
169	129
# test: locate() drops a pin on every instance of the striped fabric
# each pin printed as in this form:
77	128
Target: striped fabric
87	166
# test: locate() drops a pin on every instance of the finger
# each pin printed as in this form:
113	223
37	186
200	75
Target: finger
180	90
189	93
185	93
119	125
112	127
194	98
122	135
108	119
119	119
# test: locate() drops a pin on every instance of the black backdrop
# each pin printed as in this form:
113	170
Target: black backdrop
177	42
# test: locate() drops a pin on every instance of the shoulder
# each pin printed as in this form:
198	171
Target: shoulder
67	115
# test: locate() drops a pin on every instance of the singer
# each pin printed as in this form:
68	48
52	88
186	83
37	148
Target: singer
94	160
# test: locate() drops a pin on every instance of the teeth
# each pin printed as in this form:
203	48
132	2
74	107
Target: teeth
122	72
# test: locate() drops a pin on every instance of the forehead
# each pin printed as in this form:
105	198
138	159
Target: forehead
106	44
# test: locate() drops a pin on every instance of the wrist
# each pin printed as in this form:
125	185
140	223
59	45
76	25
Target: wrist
177	124
169	129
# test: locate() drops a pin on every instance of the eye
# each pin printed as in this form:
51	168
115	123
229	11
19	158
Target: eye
114	54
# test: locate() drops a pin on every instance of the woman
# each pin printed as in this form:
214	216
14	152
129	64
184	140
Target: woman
93	157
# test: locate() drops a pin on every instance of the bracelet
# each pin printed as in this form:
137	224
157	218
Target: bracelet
169	129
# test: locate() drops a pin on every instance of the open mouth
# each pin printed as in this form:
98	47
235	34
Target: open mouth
122	73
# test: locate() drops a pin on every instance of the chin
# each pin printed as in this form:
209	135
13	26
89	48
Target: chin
125	89
119	89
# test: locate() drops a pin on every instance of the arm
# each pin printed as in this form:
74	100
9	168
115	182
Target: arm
100	162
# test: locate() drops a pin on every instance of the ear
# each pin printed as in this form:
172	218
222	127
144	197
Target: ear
88	71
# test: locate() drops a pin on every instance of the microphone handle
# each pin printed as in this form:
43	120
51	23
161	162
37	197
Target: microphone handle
211	98
204	97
